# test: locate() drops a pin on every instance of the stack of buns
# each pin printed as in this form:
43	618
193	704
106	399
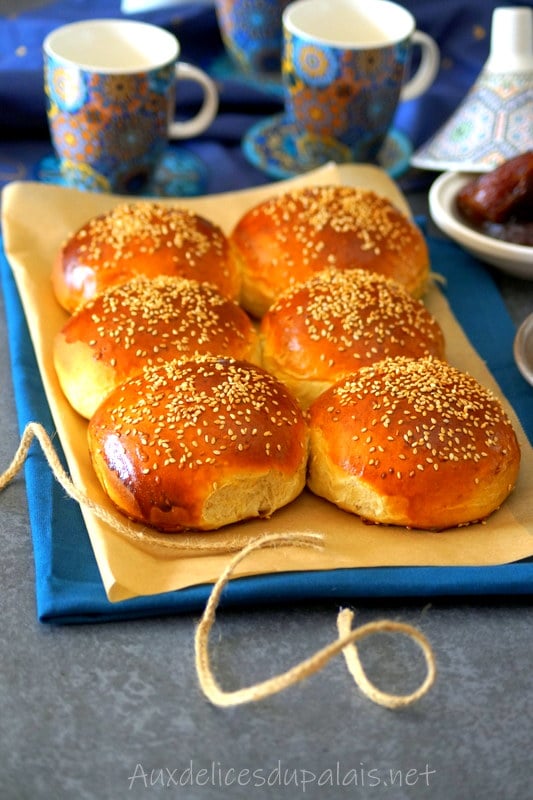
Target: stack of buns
200	417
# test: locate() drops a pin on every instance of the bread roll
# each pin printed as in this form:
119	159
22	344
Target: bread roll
414	443
142	238
199	445
285	239
142	323
338	321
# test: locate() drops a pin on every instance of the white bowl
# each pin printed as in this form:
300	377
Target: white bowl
515	259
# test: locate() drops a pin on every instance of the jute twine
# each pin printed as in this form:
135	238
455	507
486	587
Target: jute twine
345	642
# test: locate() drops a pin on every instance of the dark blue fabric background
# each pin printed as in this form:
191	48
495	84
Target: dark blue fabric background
462	30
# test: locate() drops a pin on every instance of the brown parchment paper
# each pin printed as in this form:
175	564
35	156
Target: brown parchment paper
36	219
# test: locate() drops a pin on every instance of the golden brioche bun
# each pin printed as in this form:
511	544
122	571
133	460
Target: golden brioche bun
337	321
199	445
141	323
142	238
285	239
414	443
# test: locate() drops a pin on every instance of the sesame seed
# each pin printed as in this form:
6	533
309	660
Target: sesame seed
333	226
158	320
231	394
455	415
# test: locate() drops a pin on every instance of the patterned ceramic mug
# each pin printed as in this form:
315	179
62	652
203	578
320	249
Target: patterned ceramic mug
110	87
251	31
344	72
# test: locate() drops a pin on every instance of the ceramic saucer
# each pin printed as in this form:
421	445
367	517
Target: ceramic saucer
275	147
180	174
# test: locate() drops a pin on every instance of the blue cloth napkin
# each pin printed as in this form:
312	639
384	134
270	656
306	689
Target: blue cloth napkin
68	584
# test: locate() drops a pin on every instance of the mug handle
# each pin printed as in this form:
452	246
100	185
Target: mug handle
208	109
427	70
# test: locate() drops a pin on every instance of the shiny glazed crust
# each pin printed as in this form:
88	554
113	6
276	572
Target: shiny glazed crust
285	239
414	443
143	238
199	445
338	321
141	323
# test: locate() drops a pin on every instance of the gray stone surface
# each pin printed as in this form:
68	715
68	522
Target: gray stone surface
104	712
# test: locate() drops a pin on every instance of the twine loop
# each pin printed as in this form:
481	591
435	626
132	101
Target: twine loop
347	636
345	643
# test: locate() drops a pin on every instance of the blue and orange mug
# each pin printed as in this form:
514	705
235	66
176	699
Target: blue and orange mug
345	69
111	89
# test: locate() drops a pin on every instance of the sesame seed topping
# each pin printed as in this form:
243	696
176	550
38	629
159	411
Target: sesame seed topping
151	226
223	392
147	238
355	316
355	212
342	208
160	319
456	417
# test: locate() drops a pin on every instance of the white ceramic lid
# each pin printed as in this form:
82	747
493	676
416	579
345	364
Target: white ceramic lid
495	120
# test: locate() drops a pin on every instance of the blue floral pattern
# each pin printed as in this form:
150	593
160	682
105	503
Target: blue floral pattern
316	66
180	173
66	87
276	146
251	31
109	130
339	94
